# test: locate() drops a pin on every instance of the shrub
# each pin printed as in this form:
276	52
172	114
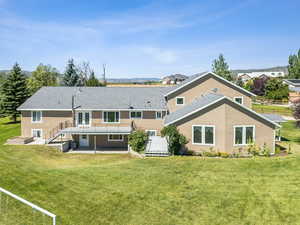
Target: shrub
224	154
265	150
175	140
253	149
137	140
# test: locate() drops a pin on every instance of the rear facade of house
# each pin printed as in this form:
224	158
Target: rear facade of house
211	112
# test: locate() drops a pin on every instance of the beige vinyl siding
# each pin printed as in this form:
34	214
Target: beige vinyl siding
50	120
202	87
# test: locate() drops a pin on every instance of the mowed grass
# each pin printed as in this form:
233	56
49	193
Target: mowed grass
118	189
281	110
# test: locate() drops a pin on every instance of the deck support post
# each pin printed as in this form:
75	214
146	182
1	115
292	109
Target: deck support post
95	144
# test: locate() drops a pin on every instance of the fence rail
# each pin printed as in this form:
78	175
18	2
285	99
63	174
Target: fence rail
53	216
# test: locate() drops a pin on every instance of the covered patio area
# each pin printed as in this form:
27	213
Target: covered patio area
108	139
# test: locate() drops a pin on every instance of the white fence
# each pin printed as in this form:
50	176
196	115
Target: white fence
30	204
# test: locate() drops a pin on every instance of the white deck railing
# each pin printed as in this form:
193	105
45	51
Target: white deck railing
31	205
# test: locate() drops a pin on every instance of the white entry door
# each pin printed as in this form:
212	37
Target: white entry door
83	140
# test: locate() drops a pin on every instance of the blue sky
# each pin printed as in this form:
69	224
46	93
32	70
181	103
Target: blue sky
140	38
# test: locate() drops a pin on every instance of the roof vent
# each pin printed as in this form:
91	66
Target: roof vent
215	90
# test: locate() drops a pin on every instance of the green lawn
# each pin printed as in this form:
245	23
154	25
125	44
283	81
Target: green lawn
281	110
113	189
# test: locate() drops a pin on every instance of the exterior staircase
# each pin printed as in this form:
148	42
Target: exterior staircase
157	146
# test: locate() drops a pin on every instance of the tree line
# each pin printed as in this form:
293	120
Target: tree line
16	87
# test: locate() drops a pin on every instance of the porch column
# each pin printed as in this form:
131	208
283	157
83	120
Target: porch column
95	144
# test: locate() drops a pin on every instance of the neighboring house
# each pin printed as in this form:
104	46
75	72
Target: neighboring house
174	79
251	75
210	111
294	87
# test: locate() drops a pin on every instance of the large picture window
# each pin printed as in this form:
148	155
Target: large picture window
111	117
204	134
244	135
36	116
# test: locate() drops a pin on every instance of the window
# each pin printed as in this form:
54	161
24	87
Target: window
159	115
111	117
36	133
244	135
238	100
151	132
115	137
83	118
36	116
136	115
203	135
180	101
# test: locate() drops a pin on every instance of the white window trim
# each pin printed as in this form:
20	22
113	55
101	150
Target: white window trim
142	115
244	134
83	119
155	131
182	98
32	116
35	129
111	140
161	115
203	135
239	97
103	121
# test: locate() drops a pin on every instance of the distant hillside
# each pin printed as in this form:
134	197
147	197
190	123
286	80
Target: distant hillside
283	69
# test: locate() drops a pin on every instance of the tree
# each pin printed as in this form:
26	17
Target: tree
296	112
84	72
93	81
294	66
275	89
221	68
137	140
174	138
44	75
259	86
14	91
71	77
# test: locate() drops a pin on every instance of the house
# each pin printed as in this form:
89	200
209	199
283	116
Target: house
294	90
174	79
210	111
251	75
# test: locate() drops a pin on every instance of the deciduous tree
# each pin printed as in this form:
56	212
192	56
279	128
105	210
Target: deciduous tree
93	81
44	75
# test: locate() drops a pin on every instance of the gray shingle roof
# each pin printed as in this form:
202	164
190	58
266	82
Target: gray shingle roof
294	89
274	117
198	103
55	98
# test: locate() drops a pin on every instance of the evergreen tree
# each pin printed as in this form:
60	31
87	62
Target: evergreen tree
70	77
221	68
294	66
44	75
14	91
93	81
